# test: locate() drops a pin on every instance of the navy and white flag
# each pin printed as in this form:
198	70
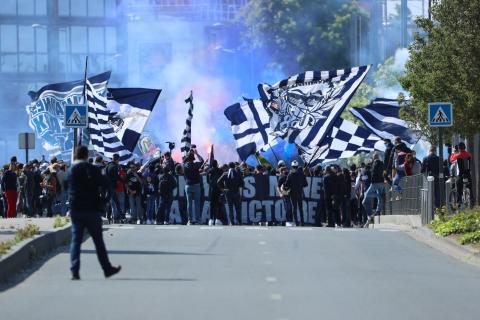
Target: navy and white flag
129	110
187	133
304	107
345	140
382	116
47	111
101	130
250	126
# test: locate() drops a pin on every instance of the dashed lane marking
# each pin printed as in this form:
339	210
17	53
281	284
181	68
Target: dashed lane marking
271	279
121	227
262	243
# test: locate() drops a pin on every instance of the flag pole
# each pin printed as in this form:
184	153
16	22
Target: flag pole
273	151
313	156
75	130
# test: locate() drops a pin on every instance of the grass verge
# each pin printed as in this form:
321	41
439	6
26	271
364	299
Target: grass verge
22	233
59	222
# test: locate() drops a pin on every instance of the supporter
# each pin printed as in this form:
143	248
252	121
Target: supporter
462	162
9	188
400	171
320	214
376	188
417	164
284	194
364	181
214	193
347	189
29	189
134	191
83	182
353	196
388	154
331	197
296	181
21	189
431	167
117	200
49	185
192	185
168	162
231	182
166	185
150	190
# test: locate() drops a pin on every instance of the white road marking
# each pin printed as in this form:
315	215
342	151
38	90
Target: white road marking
300	229
256	228
388	230
276	296
262	243
121	227
211	228
271	279
345	230
167	228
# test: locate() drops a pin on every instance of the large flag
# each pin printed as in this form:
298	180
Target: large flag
345	140
304	107
382	116
129	111
47	111
187	133
101	130
250	126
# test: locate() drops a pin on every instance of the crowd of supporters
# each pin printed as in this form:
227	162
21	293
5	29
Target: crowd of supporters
144	194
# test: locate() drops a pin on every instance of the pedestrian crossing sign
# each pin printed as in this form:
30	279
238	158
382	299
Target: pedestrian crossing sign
76	116
440	114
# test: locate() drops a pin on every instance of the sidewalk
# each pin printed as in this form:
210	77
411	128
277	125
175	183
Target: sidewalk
411	225
19	256
8	227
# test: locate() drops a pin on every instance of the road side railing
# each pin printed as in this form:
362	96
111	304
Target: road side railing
409	200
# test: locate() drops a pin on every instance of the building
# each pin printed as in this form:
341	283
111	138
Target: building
46	41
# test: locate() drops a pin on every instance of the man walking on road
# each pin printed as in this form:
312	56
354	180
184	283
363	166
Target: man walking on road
84	182
376	189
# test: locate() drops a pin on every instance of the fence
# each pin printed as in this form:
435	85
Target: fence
419	196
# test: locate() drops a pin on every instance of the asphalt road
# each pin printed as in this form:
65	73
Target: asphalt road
180	272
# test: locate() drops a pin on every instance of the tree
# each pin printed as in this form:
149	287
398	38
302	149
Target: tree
444	65
301	34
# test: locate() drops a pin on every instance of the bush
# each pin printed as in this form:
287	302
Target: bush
464	222
470	237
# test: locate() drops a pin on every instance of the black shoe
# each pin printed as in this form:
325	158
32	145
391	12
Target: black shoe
113	270
75	276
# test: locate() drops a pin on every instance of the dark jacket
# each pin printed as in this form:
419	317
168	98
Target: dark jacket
330	185
431	165
9	181
231	182
84	184
388	154
402	147
112	174
212	179
167	183
191	171
377	171
296	181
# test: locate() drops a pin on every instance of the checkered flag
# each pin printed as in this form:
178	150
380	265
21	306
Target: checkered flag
187	133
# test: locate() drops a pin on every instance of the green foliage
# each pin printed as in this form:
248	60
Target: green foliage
464	222
301	33
444	65
441	213
22	233
59	223
470	237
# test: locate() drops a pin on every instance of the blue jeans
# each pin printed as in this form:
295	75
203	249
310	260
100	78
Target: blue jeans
117	203
193	201
150	207
93	223
135	207
376	190
396	182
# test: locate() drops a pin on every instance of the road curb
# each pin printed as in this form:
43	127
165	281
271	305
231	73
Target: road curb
27	250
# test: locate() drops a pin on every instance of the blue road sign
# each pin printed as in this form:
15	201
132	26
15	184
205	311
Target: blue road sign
440	114
76	116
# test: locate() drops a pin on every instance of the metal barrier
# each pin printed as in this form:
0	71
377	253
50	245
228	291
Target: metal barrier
409	201
428	199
